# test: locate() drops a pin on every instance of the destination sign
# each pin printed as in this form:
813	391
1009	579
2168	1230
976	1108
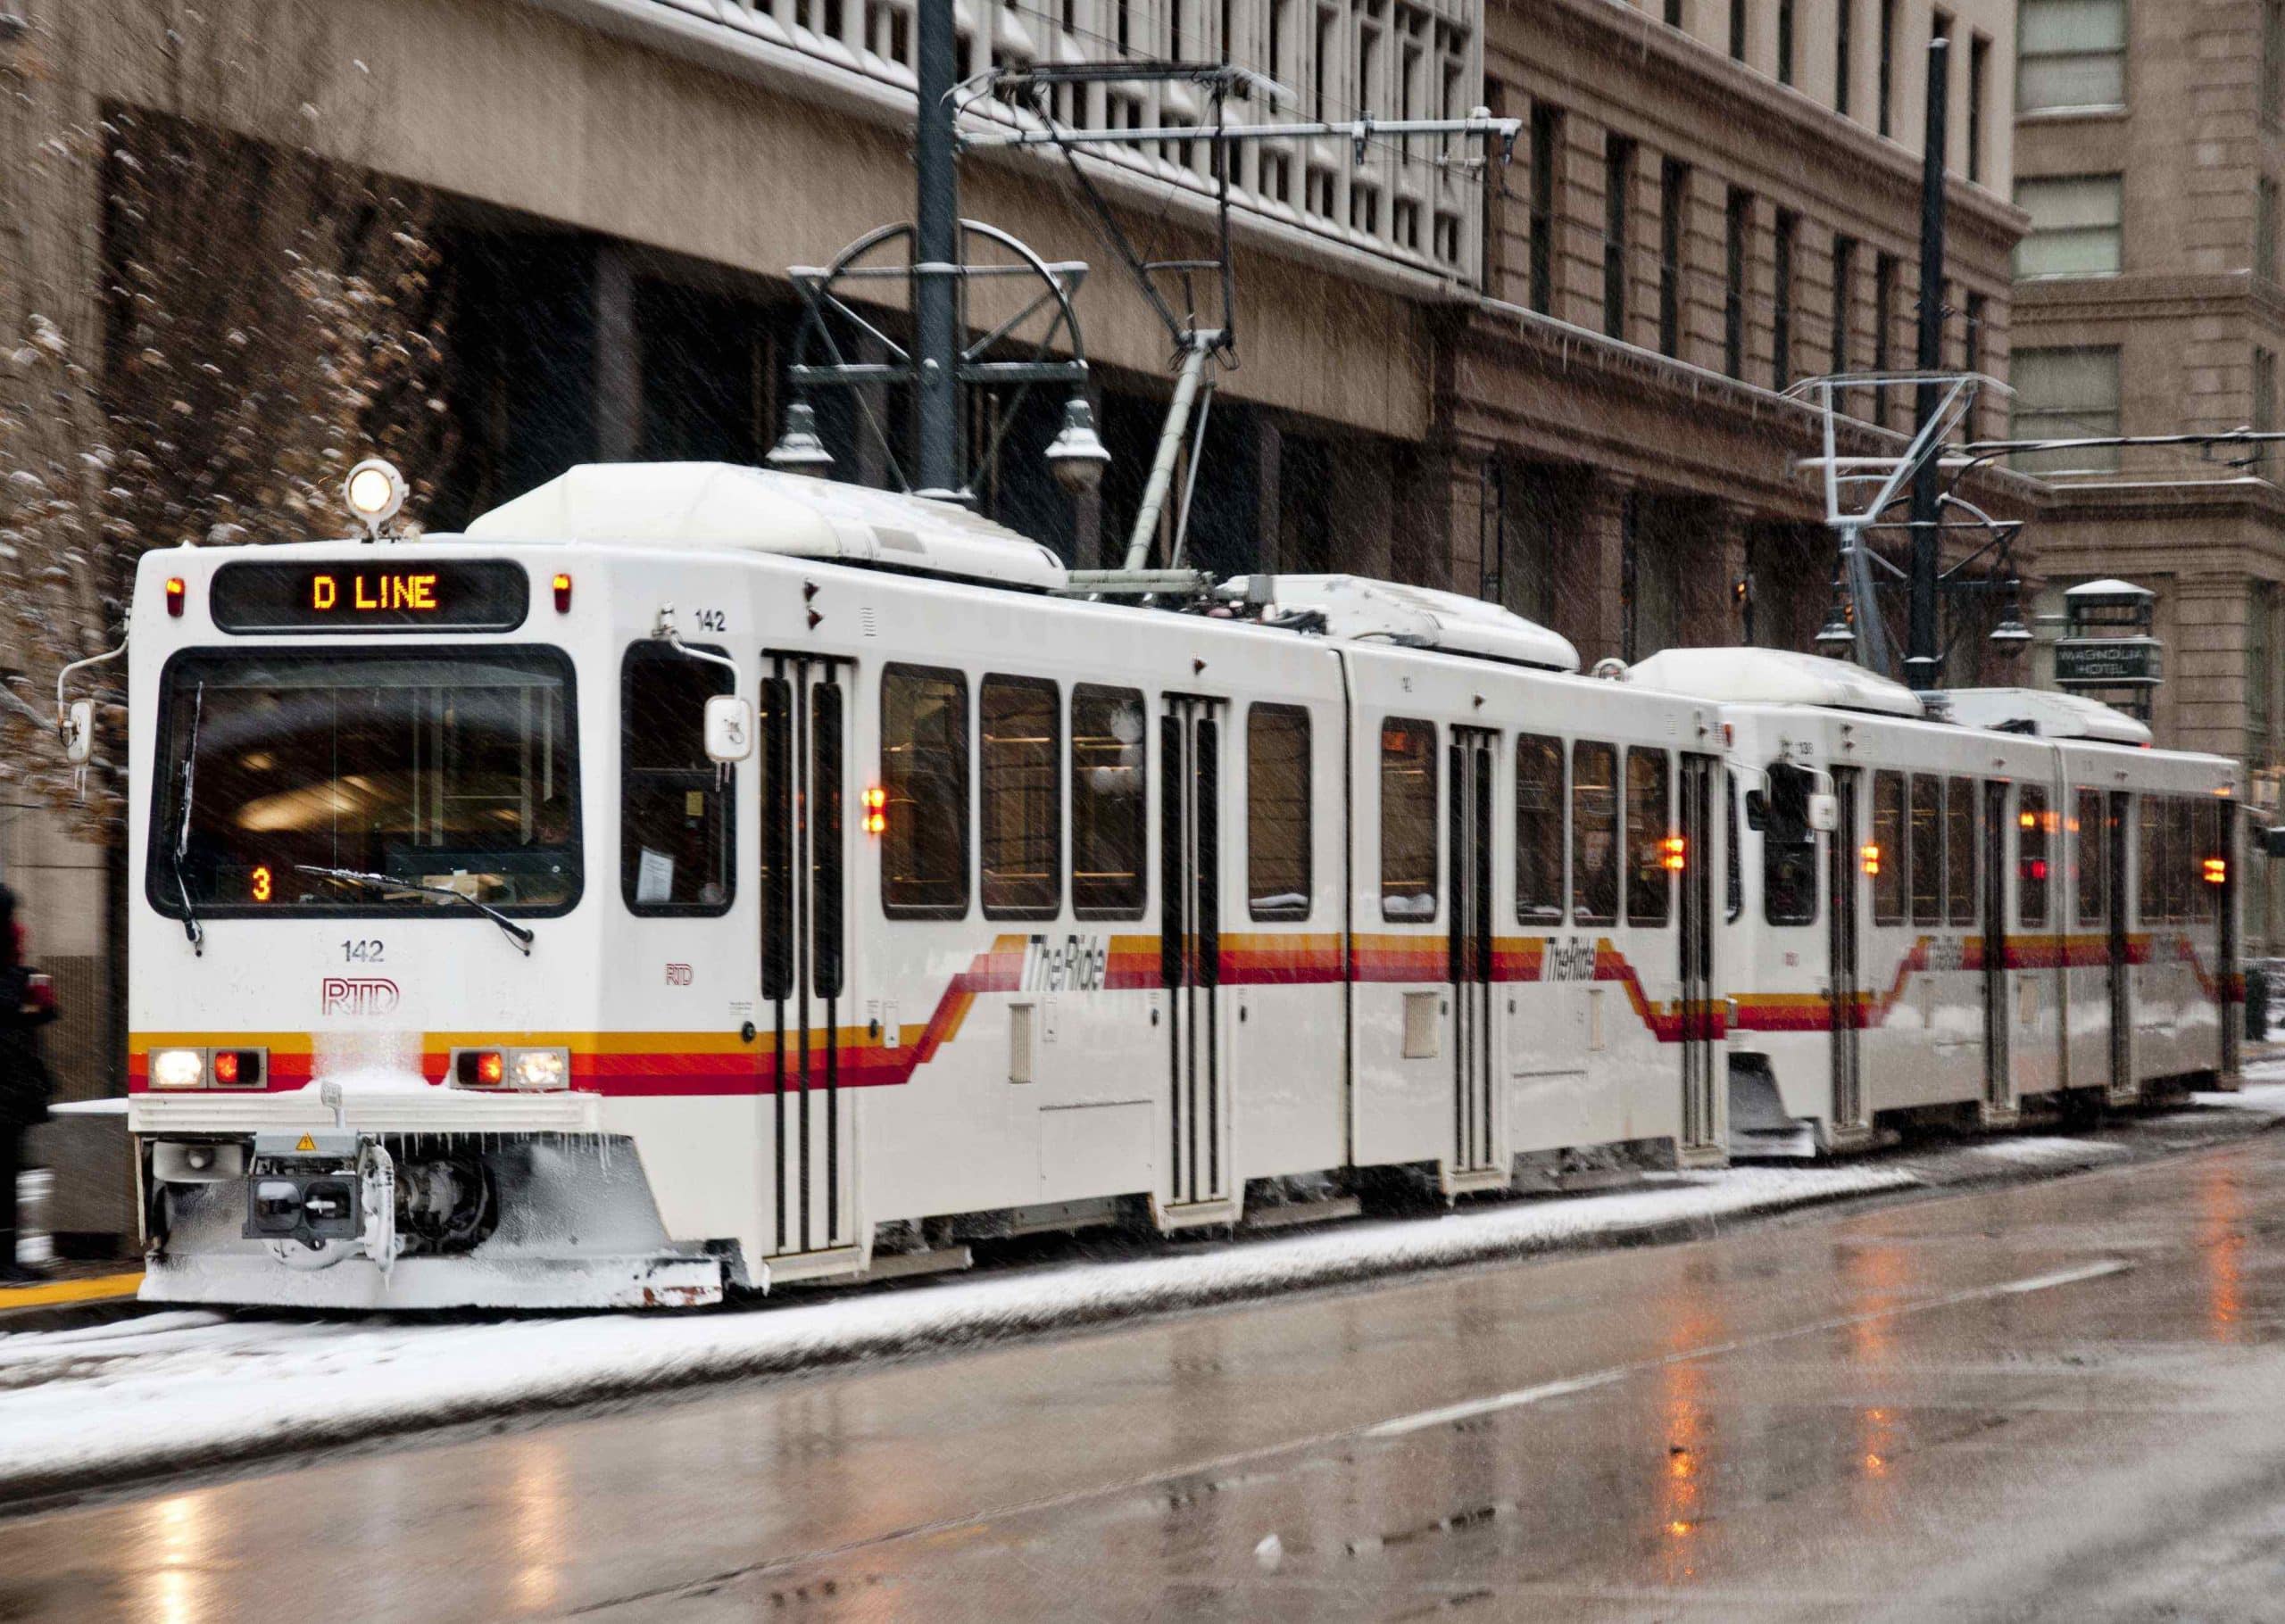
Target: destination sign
432	595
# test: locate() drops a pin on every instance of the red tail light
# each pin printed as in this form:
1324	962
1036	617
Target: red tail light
562	594
177	592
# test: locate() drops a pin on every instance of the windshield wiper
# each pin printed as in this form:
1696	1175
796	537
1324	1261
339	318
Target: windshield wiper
517	933
190	926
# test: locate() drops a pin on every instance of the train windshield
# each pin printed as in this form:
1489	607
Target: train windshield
455	772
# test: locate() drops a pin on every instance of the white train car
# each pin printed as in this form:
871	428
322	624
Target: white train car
943	906
1954	917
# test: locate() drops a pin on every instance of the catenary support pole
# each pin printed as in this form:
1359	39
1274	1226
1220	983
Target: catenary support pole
1923	662
936	256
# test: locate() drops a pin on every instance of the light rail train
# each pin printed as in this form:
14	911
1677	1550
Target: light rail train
694	879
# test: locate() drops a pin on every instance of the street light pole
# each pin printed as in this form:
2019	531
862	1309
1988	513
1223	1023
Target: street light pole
935	267
1922	663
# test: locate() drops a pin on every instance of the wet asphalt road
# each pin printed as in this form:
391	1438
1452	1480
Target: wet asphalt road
2060	1401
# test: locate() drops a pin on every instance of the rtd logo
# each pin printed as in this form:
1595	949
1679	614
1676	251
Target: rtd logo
357	995
679	975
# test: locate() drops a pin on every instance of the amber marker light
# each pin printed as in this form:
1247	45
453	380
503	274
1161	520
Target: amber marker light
177	594
1673	853
2217	870
562	593
877	810
1870	856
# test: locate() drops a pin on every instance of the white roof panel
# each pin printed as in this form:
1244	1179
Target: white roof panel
1358	608
1773	676
2046	712
705	505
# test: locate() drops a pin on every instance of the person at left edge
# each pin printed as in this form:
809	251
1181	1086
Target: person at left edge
27	1004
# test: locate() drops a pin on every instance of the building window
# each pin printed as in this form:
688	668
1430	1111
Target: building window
1277	812
1784	42
924	778
1844	300
1979	90
1737	220
2072	53
1674	214
1109	846
2264	229
1788	234
1619	180
677	837
1737	29
2065	394
2272	60
1022	798
1884	87
1538	830
1408	820
1843	40
1674	13
1883	327
1547	147
2075	229
1594	834
2261	674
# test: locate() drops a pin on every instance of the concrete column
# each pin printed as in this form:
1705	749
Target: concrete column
1440	541
1588	604
619	359
1269	458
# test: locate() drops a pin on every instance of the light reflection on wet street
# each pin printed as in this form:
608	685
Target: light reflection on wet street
2055	1400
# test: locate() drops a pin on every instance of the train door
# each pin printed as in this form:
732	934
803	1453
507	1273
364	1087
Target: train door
1190	960
1474	756
2120	978
804	738
1846	943
1703	1135
1999	1086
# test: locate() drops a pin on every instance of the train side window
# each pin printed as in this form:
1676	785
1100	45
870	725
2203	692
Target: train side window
1277	812
1538	830
1109	802
2034	823
924	775
1650	885
1788	849
1408	865
677	843
2181	863
1959	851
2089	852
1923	857
1594	834
2149	823
1886	853
1733	848
1018	719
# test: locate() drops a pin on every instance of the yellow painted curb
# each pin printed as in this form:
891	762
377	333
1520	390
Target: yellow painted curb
91	1290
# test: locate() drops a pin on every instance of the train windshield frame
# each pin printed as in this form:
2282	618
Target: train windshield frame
454	768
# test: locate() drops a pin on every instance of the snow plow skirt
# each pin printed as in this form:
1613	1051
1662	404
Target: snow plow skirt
438	1283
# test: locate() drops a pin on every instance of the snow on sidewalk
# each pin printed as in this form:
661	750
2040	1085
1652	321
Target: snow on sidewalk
187	1388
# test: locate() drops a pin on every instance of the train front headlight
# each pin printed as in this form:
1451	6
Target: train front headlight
541	1068
179	1068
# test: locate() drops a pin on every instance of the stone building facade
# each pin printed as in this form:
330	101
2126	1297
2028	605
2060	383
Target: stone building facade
2151	146
1560	384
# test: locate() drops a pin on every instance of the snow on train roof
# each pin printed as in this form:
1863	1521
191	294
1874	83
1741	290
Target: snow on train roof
720	504
2047	713
1773	676
1356	607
